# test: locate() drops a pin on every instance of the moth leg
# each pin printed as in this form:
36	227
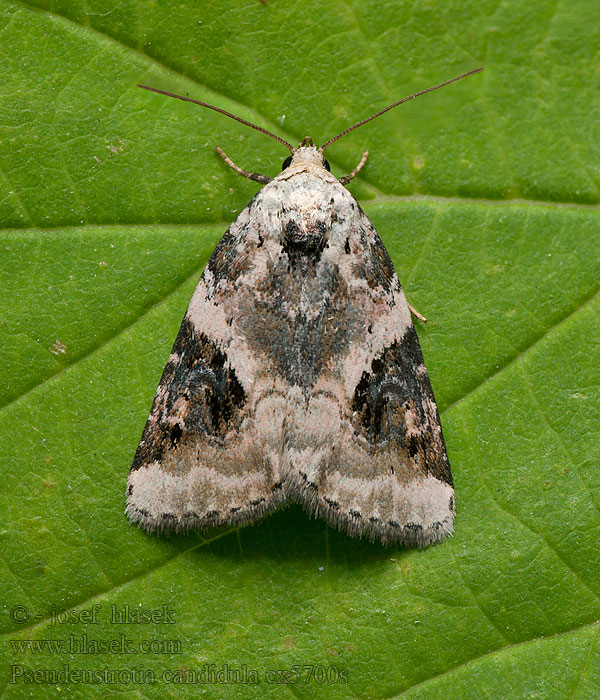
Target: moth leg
416	314
244	173
346	179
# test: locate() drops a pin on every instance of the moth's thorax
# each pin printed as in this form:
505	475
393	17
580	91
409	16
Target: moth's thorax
304	205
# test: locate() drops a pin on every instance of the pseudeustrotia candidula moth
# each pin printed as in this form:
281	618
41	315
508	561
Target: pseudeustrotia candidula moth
297	375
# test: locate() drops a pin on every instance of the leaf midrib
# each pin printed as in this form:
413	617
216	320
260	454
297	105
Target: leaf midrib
379	199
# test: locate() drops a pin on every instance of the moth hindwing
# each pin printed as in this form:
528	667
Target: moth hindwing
296	375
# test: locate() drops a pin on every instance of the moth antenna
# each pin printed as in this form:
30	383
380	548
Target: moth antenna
222	111
387	109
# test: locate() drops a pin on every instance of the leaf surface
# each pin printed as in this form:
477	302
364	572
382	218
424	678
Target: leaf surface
486	195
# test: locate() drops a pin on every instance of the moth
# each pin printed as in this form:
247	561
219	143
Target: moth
297	374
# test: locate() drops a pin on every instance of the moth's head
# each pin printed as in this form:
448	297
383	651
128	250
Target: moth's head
306	153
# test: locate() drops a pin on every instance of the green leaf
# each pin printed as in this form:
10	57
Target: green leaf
486	194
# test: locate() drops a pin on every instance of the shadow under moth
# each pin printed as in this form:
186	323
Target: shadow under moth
297	375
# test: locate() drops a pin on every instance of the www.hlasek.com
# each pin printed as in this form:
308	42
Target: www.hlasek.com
208	674
83	644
